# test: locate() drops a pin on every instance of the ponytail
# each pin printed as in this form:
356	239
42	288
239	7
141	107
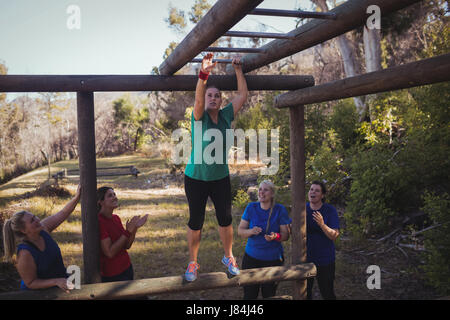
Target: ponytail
272	186
12	234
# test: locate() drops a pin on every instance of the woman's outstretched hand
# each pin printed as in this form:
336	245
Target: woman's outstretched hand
237	63
207	64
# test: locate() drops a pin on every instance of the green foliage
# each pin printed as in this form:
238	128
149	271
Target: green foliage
198	10
241	200
326	164
376	192
264	116
344	121
405	153
186	122
130	123
176	19
167	53
437	241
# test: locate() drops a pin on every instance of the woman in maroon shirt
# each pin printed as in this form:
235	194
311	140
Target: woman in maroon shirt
115	263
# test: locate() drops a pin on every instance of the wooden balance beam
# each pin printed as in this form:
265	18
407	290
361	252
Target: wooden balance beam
154	286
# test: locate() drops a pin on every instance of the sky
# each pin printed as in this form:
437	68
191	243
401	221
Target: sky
114	37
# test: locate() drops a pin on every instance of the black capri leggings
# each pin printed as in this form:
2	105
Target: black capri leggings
197	193
267	289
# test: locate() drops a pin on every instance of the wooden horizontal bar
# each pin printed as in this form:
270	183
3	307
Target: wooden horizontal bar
218	20
92	83
409	75
144	287
350	15
245	34
293	13
227	49
198	60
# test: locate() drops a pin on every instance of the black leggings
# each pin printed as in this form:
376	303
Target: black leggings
197	193
325	279
267	289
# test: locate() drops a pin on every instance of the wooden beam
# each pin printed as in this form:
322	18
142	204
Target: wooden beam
143	287
227	49
198	60
423	72
270	35
292	13
90	83
297	150
88	181
218	20
349	15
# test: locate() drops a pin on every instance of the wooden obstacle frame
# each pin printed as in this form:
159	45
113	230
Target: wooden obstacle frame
216	23
101	172
165	285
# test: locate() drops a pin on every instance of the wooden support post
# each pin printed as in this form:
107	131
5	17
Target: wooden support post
143	287
297	150
88	181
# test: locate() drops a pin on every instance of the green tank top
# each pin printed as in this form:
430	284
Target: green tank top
210	145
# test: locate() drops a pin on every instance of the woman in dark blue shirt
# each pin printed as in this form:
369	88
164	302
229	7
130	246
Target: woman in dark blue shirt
265	224
322	225
39	260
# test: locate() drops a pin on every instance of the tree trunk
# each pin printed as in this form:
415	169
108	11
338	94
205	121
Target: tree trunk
347	54
348	58
372	54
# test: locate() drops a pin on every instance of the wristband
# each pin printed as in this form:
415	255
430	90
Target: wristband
278	237
203	75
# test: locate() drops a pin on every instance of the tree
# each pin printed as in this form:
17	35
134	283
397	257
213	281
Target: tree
130	123
347	48
51	105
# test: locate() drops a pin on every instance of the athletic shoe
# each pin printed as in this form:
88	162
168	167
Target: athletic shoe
191	271
230	262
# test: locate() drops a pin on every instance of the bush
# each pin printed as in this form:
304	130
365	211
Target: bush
241	200
378	191
437	241
344	121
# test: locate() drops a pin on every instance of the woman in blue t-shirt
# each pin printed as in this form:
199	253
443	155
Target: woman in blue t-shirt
322	225
39	261
265	224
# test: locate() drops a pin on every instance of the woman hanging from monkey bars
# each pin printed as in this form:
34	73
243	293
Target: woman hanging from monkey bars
207	174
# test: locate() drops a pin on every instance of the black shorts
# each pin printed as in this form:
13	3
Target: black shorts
197	193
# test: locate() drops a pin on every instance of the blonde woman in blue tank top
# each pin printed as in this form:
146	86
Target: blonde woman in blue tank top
39	261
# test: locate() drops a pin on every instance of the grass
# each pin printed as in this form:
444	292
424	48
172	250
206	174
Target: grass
160	248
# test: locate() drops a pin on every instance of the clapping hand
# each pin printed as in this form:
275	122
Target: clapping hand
141	221
135	223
